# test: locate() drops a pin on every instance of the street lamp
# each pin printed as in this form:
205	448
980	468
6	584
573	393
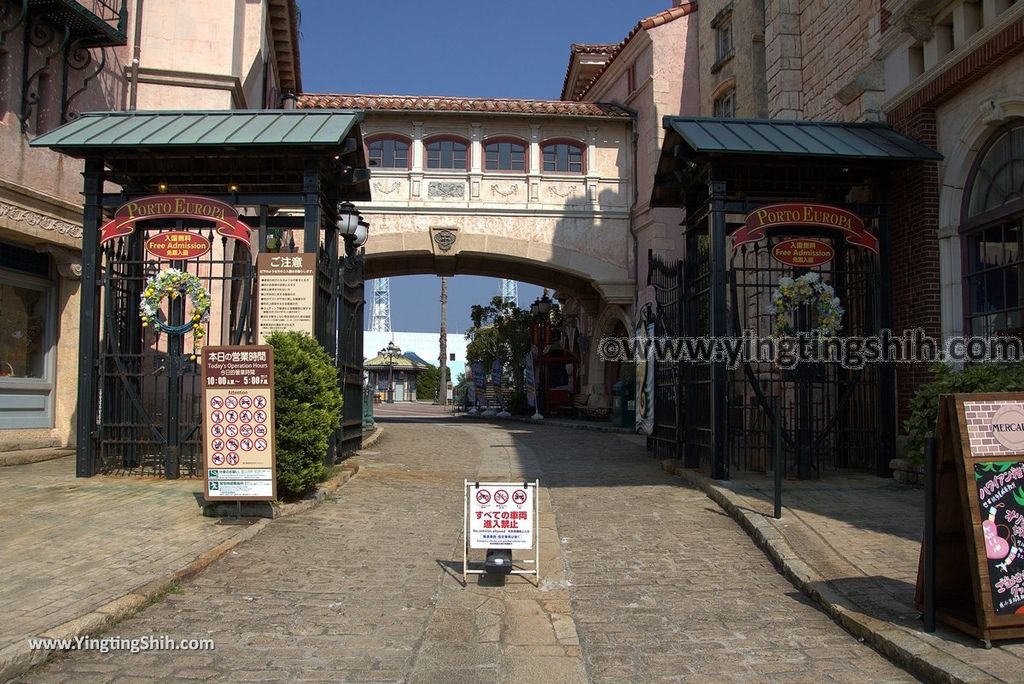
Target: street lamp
541	310
391	352
352	227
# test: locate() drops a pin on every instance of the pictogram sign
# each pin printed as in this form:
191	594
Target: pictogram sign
502	515
238	467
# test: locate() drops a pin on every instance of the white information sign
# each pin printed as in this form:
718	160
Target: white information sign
501	516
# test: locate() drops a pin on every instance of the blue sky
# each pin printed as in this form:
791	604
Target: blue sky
474	48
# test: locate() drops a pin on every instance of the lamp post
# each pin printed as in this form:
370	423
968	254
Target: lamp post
390	352
541	310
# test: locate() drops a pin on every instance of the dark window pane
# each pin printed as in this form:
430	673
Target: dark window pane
563	157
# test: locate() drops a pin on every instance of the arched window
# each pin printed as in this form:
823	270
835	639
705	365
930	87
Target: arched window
388	152
447	153
504	155
992	230
562	156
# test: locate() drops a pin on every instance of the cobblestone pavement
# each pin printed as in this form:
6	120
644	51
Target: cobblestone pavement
70	545
860	538
644	579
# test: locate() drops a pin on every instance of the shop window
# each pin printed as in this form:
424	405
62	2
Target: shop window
446	153
388	153
993	238
504	155
24	310
563	157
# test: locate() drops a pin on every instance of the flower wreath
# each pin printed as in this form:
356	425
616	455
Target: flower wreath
175	283
807	289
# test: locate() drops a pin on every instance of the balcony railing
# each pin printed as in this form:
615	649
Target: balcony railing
93	23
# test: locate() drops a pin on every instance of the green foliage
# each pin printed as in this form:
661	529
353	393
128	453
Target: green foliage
980	377
308	404
500	330
427	382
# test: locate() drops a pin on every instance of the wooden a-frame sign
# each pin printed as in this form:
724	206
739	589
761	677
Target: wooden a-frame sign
979	521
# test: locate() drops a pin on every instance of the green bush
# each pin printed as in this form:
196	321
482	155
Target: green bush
980	377
517	405
308	404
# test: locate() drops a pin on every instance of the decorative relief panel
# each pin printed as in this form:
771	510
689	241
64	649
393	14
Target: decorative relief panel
38	220
386	188
510	191
446	190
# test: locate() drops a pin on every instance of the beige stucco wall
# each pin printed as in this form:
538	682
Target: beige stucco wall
216	62
667	83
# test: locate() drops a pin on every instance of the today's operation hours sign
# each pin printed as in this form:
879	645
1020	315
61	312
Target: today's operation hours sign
238	423
501	516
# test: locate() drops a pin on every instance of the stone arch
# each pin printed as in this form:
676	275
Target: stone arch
605	323
993	114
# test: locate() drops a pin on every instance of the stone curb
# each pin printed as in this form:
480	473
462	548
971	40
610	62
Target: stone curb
594	427
371	439
26	456
18	658
899	645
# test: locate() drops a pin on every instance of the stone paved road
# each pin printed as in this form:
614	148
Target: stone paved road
644	580
68	545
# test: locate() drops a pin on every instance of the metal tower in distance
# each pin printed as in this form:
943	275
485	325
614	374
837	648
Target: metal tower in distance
510	291
380	314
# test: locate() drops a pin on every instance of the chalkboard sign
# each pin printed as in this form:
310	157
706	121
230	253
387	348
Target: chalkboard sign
979	571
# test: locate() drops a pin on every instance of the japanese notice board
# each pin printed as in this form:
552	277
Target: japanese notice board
979	560
501	516
285	293
238	423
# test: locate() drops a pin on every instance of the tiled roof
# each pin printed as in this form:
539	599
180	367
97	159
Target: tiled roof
645	25
420	103
592	48
586	49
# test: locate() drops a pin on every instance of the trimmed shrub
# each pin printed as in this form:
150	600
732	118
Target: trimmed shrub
308	404
979	377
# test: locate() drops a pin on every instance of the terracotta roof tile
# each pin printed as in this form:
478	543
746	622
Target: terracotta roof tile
421	103
586	49
644	24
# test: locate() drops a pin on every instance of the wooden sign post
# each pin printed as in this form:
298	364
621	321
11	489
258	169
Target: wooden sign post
979	517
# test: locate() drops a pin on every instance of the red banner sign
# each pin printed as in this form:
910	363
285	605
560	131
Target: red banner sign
222	215
803	252
178	244
804	214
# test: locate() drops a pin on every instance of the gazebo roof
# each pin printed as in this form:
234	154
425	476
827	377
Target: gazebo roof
402	362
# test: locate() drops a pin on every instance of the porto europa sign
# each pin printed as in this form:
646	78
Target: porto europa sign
805	214
191	207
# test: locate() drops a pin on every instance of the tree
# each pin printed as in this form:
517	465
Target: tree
500	330
427	382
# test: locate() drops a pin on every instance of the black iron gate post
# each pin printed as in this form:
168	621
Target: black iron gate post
887	372
719	322
85	465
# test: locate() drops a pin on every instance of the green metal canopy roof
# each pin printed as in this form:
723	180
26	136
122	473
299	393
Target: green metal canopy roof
705	135
98	131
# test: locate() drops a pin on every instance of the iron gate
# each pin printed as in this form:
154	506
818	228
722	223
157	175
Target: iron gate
149	384
666	279
829	413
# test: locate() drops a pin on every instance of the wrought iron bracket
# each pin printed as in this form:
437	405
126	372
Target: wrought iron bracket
40	33
78	57
5	11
